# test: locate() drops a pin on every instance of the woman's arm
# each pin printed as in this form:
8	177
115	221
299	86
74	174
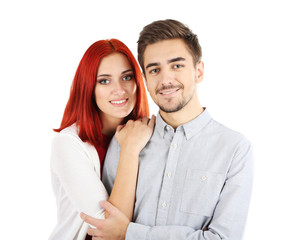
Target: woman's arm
74	175
132	138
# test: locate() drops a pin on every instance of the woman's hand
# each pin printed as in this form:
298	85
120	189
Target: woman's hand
134	135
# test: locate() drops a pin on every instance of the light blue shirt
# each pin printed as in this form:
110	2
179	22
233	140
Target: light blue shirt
193	183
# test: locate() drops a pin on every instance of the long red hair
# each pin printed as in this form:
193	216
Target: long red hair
81	107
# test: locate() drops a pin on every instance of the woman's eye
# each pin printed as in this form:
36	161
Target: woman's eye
127	78
104	81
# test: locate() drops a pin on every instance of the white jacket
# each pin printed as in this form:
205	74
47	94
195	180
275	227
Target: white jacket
75	172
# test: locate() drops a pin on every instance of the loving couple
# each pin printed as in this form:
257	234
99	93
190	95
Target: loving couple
179	175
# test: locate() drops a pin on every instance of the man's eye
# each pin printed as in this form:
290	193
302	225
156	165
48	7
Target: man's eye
127	78
104	81
155	70
177	66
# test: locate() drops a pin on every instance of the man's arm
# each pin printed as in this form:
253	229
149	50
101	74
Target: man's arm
114	227
228	220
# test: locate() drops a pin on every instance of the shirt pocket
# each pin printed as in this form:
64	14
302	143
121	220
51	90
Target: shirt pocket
201	192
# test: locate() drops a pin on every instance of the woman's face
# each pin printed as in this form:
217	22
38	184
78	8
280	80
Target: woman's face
115	91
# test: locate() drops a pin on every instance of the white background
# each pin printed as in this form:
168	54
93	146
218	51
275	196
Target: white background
254	57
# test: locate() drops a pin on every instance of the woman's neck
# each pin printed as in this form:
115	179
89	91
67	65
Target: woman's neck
109	125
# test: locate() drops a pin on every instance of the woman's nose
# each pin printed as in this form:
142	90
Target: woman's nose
118	89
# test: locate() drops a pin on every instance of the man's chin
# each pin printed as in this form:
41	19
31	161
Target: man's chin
172	109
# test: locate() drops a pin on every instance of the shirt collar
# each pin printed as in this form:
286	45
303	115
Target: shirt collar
189	128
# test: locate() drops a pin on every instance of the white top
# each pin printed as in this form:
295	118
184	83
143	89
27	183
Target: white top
75	172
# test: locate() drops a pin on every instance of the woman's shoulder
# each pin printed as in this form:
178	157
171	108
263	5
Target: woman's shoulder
68	143
67	136
71	130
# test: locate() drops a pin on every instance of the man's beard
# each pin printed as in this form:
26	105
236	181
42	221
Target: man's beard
175	108
178	106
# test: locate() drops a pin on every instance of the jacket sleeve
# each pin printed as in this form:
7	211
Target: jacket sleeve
72	164
229	217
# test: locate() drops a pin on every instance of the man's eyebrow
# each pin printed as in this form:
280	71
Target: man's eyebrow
152	65
177	59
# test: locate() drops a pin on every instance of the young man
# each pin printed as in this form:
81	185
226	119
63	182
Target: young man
195	175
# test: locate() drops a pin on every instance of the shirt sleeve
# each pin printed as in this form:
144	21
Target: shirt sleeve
73	166
230	214
110	165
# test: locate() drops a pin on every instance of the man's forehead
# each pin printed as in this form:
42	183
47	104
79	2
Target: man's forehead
166	50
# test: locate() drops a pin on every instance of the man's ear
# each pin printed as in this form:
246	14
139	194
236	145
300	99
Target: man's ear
199	72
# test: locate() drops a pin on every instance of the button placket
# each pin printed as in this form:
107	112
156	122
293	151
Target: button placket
168	180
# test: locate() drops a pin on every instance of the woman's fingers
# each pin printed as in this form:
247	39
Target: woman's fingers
151	123
145	120
119	127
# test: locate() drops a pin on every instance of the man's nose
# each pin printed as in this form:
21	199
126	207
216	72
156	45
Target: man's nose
166	77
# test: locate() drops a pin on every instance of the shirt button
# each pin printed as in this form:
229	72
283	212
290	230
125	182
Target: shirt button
168	128
174	145
161	134
204	178
169	174
164	205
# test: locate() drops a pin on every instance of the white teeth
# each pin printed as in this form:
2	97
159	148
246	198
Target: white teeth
118	102
166	93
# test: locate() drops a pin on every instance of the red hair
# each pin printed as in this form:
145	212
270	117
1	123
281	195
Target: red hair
81	107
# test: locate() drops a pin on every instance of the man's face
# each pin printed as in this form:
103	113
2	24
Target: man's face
170	74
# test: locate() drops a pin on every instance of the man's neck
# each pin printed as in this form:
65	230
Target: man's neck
184	115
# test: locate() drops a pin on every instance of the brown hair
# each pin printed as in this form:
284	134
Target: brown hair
168	29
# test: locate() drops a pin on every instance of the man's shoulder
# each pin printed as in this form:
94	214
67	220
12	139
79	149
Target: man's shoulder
114	145
226	133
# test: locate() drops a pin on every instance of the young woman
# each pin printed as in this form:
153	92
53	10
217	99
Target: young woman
106	98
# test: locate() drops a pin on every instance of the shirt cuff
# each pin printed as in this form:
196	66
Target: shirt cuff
136	231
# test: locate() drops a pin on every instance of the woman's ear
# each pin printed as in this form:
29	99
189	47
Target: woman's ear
199	72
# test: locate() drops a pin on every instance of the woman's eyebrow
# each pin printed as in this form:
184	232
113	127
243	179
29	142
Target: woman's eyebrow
104	75
129	70
109	75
